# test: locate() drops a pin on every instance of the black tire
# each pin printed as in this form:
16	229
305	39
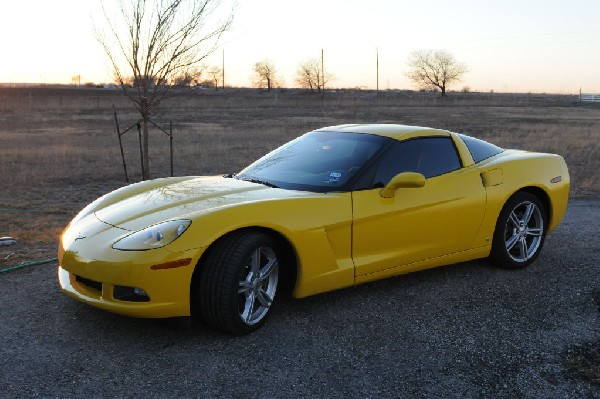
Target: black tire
520	231
238	281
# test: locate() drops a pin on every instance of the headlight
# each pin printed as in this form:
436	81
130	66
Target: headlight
152	237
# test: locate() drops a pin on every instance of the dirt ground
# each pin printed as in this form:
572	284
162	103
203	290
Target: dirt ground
461	331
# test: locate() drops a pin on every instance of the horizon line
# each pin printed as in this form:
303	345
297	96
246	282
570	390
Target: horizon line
113	86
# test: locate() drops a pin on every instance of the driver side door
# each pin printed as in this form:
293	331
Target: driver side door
416	224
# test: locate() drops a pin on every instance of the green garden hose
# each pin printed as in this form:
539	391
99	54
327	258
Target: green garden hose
41	262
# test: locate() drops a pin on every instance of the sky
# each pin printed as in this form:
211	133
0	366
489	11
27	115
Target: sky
550	46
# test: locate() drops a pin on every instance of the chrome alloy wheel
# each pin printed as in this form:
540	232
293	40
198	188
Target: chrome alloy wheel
258	285
524	231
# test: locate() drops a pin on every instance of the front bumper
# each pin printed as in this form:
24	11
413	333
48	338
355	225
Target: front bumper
101	283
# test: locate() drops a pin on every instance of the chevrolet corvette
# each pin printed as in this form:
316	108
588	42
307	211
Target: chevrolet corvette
333	208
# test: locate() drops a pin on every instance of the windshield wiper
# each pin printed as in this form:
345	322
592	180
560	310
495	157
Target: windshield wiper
264	183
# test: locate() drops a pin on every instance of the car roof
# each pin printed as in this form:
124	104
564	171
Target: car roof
398	132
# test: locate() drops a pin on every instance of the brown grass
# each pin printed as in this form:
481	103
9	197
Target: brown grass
58	147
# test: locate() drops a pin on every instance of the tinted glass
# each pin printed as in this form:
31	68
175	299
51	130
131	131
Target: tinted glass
316	161
432	156
480	149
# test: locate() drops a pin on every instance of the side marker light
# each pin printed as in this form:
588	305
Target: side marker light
172	265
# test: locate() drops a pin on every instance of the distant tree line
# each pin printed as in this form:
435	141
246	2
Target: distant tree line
428	69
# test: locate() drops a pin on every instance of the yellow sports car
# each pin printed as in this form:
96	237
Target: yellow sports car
335	207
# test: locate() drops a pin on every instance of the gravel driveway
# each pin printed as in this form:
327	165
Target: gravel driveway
465	331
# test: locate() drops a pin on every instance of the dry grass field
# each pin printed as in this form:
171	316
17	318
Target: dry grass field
59	149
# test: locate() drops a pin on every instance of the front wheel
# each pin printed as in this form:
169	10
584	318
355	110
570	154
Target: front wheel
238	282
520	231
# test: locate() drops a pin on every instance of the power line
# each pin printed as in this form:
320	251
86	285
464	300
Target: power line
479	39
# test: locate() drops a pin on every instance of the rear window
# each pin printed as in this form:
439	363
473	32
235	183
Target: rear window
480	149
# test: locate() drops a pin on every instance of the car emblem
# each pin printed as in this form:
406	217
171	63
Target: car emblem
80	236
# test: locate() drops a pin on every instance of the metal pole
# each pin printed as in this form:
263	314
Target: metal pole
223	68
139	128
171	144
170	134
377	52
322	72
121	144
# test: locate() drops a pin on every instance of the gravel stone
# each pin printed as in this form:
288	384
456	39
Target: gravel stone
468	330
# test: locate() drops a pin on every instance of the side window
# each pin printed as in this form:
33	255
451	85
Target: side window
480	149
431	156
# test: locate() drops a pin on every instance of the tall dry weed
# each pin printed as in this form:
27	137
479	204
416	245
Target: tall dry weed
59	149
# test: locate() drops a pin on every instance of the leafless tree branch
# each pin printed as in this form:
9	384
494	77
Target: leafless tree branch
435	69
265	75
309	75
153	43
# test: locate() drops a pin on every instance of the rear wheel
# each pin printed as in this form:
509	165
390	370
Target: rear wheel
238	282
520	231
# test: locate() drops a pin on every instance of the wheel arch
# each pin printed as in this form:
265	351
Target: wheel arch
543	196
288	274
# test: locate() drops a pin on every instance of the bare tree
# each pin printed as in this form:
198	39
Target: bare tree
309	75
191	77
435	69
157	42
216	75
265	75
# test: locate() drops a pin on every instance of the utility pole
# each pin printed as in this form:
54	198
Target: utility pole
377	61
223	69
322	72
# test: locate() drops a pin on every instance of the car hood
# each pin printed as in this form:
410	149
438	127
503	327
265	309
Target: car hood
187	199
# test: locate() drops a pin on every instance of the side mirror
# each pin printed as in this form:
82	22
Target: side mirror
402	180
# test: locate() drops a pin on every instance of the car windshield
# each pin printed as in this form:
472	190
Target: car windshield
317	161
